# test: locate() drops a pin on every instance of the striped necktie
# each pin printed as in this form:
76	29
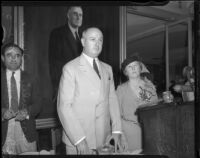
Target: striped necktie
96	68
14	96
76	35
78	43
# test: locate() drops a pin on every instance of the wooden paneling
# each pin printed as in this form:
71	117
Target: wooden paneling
168	129
185	131
7	19
39	22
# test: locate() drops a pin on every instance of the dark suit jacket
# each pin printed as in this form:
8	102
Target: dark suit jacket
29	99
62	48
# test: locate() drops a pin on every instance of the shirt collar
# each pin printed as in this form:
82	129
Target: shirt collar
9	72
90	59
72	29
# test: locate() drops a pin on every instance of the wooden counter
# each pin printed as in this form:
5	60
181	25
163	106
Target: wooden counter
168	129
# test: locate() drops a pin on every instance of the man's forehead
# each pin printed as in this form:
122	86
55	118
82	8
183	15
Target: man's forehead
94	32
76	9
13	49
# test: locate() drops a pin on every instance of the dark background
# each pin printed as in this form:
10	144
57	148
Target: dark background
39	22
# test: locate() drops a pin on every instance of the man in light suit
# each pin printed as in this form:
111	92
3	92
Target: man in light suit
87	103
64	45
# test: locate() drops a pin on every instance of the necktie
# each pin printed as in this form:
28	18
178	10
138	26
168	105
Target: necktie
76	35
96	68
14	96
78	42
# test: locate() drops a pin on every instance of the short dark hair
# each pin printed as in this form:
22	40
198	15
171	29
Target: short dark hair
6	46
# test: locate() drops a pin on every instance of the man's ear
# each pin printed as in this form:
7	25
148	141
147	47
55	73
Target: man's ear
82	42
68	15
2	58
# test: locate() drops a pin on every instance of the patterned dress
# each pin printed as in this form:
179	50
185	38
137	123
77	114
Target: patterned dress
129	102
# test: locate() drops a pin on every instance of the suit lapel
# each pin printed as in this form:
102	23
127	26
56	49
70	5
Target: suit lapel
70	39
25	91
22	85
104	80
89	72
4	90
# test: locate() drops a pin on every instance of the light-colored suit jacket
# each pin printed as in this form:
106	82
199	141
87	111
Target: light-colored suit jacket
86	105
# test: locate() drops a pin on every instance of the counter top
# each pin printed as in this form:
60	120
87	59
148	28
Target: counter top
163	105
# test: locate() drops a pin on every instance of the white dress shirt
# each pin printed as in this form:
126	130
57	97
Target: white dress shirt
73	31
90	60
17	77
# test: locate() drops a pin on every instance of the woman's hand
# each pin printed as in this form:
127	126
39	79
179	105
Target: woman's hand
177	88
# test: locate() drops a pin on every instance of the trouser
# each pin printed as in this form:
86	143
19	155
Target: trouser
16	142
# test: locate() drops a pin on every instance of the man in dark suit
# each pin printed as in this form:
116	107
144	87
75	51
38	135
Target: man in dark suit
64	45
20	103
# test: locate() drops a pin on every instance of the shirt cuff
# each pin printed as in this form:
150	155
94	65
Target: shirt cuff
79	141
117	132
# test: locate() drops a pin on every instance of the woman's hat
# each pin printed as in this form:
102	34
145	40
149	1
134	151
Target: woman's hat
131	59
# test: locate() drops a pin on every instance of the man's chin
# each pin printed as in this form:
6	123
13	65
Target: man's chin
13	68
78	24
96	54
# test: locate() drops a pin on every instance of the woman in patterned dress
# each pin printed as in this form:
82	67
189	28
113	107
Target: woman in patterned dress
135	92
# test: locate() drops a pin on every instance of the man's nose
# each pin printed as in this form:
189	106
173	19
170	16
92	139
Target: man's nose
13	57
133	67
79	16
98	43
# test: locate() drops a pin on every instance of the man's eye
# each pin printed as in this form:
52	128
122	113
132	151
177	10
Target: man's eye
76	14
8	55
92	39
18	55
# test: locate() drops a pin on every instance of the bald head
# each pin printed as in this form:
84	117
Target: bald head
92	30
92	41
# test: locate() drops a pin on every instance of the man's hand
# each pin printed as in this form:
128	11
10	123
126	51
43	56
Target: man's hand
120	142
124	143
8	114
22	114
116	137
82	148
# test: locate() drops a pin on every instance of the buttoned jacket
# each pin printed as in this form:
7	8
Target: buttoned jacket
87	106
